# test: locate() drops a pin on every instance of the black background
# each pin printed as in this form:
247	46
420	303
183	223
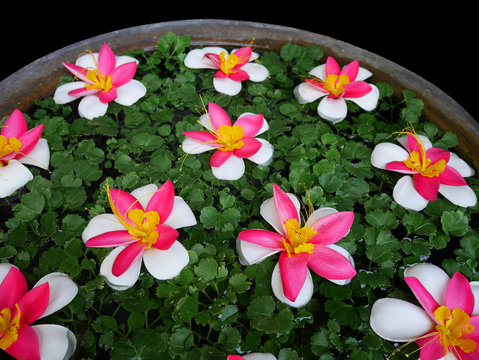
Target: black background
436	42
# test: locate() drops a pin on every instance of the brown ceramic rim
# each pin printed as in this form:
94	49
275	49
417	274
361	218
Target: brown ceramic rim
39	79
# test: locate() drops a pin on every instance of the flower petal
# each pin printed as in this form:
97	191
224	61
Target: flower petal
192	146
251	147
333	110
124	202
249	253
366	102
107	96
332	228
475	292
144	194
227	86
55	342
162	201
218	116
307	93
451	177
4	270
459	195
130	93
426	300
348	257
459	294
123	74
111	239
264	238
268	212
329	264
231	169
181	215
256	72
13	177
15	125
431	348
167	236
284	207
264	155
385	153
127	257
62	291
426	187
39	156
356	89
106	60
293	272
399	320
432	277
26	347
460	165
251	124
127	279
62	93
101	224
351	70
195	59
12	287
332	67
405	194
33	304
91	107
259	356
304	295
166	264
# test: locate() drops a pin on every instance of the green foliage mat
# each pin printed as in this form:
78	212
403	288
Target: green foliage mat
217	306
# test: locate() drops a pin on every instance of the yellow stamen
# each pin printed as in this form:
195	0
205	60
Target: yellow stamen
100	81
298	238
7	146
334	83
453	328
9	327
227	63
230	137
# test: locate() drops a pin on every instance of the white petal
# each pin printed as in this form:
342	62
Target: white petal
459	195
264	154
195	58
406	195
425	141
333	110
475	291
259	356
91	107
348	256
192	146
130	93
363	74
386	152
87	61
249	254
369	101
205	121
307	93
319	214
39	156
227	86
144	194
399	320
268	211
460	165
61	93
55	342
166	264
62	291
304	296
318	72
13	177
124	59
264	127
231	169
181	215
4	269
101	224
432	277
256	72
124	281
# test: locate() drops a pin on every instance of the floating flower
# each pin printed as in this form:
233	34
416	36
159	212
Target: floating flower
301	247
433	171
334	86
252	356
232	143
143	226
447	325
232	69
20	307
104	78
19	146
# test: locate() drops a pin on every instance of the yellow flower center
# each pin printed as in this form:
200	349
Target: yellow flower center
227	63
298	238
7	146
453	327
335	84
230	137
8	327
100	81
424	166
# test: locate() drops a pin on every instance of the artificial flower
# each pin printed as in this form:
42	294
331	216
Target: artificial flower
20	307
252	356
231	69
447	325
103	78
334	86
19	146
232	143
142	228
301	247
433	171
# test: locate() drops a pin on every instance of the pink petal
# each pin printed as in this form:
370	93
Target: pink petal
413	145
123	74
106	60
426	187
356	89
293	271
30	139
234	357
202	136
332	67
451	176
78	71
108	96
27	345
398	166
167	236
251	124
351	70
83	92
219	157
127	257
284	207
33	304
239	75
264	238
332	228
111	239
431	348
12	288
123	203
162	201
330	264
459	294
214	58
15	125
218	116
251	146
426	300
436	154
243	54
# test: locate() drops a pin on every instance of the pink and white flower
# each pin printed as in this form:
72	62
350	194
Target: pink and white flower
446	326
103	78
231	69
433	171
252	356
20	307
142	228
311	246
231	142
19	146
334	86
